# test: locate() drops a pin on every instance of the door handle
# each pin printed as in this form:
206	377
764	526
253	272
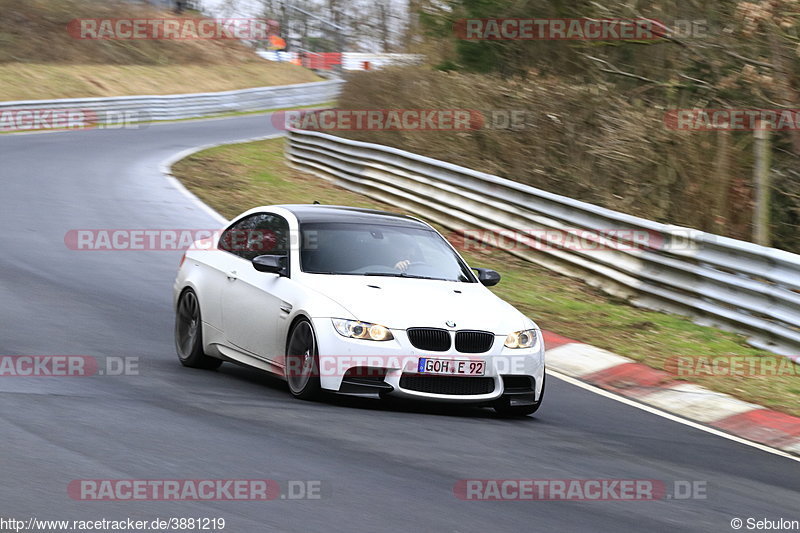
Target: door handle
232	276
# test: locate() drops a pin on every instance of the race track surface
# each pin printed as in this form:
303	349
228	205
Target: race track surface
383	466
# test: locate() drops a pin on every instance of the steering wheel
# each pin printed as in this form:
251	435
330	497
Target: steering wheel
413	264
373	268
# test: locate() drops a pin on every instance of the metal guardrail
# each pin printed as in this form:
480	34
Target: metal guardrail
735	285
356	60
349	60
182	106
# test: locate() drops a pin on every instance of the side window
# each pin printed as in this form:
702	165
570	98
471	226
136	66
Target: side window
259	234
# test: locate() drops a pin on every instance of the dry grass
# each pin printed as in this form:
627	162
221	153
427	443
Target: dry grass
586	141
23	81
35	31
39	59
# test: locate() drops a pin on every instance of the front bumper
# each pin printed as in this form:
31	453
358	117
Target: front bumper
392	369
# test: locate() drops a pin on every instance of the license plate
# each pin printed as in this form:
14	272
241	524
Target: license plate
453	367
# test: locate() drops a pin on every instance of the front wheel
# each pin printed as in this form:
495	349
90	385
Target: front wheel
302	362
502	407
189	334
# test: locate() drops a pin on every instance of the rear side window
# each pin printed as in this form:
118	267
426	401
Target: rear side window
258	234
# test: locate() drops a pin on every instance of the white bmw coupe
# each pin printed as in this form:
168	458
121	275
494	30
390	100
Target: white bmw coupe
357	302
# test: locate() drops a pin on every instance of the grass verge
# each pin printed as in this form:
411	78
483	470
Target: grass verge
237	177
41	58
31	81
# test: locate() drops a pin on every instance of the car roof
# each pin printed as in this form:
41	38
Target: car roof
317	213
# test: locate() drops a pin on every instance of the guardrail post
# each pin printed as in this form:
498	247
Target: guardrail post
761	233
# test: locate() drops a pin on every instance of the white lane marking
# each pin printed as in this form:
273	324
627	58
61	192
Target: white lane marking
165	167
668	416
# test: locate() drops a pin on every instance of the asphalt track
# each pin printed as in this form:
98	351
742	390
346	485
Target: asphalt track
384	467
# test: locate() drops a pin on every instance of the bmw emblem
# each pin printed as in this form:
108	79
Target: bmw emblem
450	324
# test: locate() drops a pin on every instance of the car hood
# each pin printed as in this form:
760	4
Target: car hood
401	303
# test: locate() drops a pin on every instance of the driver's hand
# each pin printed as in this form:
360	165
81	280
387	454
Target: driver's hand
402	266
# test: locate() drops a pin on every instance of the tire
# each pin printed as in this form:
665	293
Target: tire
502	408
189	334
302	361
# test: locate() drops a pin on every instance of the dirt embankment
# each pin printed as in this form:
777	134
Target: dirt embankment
39	58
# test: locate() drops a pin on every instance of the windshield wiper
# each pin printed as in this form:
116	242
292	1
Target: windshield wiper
383	274
400	275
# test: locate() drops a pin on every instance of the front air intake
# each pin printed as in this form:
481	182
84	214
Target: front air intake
452	385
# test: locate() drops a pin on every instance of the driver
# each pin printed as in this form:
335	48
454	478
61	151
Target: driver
402	265
413	257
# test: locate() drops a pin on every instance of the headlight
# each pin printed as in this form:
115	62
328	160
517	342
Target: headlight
362	330
522	339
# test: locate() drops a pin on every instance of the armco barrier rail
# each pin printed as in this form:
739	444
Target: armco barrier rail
718	281
349	60
181	106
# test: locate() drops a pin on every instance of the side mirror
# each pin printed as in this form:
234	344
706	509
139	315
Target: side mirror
487	276
274	264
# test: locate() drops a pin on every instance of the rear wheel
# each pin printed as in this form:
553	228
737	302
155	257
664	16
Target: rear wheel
302	362
189	334
503	408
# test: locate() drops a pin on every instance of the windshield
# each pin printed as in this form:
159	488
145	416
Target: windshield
379	250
